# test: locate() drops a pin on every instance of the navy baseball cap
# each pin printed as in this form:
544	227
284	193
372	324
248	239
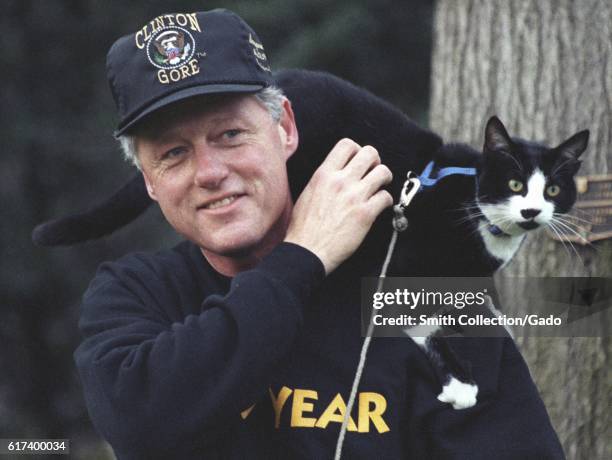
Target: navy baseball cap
180	55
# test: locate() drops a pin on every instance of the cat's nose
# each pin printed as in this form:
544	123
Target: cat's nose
530	213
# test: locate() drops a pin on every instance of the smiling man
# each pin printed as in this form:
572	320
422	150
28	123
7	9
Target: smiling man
180	346
242	341
217	168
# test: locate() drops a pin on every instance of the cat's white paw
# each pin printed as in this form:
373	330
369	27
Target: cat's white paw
460	395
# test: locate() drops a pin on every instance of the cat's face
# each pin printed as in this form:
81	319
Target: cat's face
522	185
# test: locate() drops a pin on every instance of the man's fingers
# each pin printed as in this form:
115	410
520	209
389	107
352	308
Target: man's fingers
363	161
336	209
341	154
379	201
376	178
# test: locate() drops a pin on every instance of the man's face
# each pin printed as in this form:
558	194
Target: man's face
218	172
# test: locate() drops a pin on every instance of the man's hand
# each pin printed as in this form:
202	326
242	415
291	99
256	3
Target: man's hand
338	206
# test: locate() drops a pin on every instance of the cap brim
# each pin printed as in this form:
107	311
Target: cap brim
185	94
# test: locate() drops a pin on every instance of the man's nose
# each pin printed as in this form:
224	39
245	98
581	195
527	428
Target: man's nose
210	168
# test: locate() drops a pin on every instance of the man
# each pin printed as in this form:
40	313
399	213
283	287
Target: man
242	342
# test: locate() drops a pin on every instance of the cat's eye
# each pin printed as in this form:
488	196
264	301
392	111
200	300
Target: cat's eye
515	185
553	190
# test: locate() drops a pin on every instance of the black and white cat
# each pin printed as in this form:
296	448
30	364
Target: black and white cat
479	222
464	226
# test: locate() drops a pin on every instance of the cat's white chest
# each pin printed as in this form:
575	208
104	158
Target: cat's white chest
500	247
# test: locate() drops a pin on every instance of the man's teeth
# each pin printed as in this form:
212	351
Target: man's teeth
223	202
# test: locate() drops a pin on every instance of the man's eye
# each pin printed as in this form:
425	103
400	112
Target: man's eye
232	133
173	153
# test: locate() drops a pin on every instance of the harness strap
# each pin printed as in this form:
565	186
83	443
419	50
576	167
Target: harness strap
427	181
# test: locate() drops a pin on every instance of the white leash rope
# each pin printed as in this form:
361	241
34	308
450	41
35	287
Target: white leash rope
400	223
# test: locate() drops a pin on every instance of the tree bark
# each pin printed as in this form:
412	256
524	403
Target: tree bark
545	68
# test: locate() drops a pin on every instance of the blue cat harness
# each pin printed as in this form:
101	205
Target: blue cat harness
428	181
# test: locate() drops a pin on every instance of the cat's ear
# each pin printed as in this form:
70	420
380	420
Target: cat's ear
575	145
496	136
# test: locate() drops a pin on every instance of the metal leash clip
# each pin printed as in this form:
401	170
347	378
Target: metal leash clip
409	190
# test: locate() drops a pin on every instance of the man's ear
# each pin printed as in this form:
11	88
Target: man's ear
288	129
150	188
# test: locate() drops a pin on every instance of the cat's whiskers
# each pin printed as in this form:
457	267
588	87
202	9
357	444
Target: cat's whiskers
561	238
568	218
499	221
472	212
471	204
573	228
564	225
569	224
468	218
470	208
564	219
555	225
558	225
470	215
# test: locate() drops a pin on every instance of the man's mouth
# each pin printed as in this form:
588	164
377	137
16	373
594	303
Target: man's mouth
220	203
528	225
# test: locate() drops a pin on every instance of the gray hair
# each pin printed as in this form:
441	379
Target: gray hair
271	98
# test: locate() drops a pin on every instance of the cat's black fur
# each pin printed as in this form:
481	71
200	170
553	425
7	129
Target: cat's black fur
326	109
443	238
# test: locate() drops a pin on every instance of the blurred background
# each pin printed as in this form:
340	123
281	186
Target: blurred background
546	69
58	118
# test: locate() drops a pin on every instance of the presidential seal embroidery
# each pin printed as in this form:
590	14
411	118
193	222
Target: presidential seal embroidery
170	47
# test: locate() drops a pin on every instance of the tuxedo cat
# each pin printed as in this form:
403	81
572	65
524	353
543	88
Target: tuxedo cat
464	226
480	221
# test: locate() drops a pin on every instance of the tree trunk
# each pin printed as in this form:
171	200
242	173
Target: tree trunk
545	68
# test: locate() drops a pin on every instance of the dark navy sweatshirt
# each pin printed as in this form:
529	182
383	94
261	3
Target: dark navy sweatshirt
178	361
